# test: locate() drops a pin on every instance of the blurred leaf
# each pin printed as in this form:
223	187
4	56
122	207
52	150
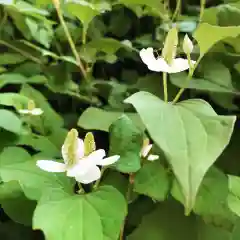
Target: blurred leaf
206	41
11	58
12	78
7	117
99	119
15	204
13	99
16	164
152	180
234	194
86	211
192	121
126	140
86	11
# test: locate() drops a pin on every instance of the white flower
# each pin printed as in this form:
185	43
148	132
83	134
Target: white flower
187	45
83	168
146	149
160	65
35	111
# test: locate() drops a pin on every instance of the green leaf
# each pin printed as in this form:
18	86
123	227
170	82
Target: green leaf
234	194
12	78
126	140
99	119
216	78
85	217
13	99
11	58
206	41
108	46
16	164
152	180
86	11
167	222
179	130
15	204
211	201
9	117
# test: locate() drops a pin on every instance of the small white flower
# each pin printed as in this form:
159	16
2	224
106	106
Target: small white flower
187	45
83	168
35	111
160	65
146	149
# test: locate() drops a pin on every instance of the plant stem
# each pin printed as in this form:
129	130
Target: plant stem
128	195
202	7
189	77
80	190
165	92
177	10
70	40
95	186
25	54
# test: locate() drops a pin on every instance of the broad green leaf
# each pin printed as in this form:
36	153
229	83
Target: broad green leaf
15	204
211	201
83	217
10	122
11	58
152	180
86	11
234	194
50	119
126	140
16	164
167	222
99	119
13	99
206	41
179	130
40	143
14	78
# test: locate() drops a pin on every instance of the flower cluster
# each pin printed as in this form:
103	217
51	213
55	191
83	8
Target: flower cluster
83	167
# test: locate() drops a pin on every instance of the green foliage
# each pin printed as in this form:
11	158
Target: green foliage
79	65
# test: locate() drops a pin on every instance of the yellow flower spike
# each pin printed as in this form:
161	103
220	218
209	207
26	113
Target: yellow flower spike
89	144
70	146
146	142
31	105
170	46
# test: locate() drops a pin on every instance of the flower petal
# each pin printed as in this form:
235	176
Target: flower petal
96	156
36	111
147	56
108	161
51	166
91	175
79	152
152	157
24	111
159	65
179	65
146	150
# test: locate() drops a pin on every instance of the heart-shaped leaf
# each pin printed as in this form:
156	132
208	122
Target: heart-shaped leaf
190	133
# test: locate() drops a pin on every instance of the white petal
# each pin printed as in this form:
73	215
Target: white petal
179	65
108	161
146	150
147	56
79	152
51	166
152	157
160	65
37	111
24	111
92	175
86	163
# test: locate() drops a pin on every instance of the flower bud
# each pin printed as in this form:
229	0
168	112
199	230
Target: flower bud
187	45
